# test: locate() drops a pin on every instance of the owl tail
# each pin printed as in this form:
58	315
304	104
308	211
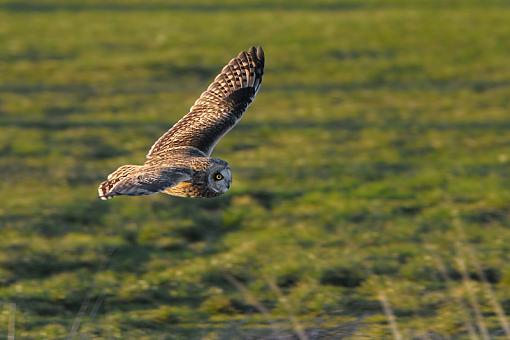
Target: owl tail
105	188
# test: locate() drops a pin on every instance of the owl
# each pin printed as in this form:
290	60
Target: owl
180	162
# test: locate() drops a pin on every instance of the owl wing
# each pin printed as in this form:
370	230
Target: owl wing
136	180
219	108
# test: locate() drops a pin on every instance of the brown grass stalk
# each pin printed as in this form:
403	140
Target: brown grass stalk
251	299
443	272
473	301
11	328
390	316
489	292
496	305
296	325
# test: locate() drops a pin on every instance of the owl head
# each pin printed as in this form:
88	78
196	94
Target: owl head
219	176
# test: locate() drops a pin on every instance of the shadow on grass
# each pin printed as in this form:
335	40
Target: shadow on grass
332	124
37	265
73	216
378	82
341	54
133	7
46	305
206	216
36	56
166	71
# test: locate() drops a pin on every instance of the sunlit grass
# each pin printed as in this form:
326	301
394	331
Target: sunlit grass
380	130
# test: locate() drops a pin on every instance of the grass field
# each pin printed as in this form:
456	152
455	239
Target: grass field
371	192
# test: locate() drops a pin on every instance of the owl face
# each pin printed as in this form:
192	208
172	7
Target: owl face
220	178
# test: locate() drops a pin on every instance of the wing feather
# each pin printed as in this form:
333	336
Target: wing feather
136	180
219	108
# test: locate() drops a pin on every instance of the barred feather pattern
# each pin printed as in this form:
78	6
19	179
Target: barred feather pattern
219	108
143	180
115	177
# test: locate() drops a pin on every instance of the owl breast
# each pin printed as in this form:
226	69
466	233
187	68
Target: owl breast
190	189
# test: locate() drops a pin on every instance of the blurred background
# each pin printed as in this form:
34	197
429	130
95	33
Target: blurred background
370	195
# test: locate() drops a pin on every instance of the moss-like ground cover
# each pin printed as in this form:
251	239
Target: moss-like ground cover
370	175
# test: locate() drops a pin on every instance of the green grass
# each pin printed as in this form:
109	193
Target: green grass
374	158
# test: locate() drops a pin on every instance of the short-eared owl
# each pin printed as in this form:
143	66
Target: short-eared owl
179	163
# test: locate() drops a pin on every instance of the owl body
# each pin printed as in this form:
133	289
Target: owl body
179	163
200	185
191	189
204	171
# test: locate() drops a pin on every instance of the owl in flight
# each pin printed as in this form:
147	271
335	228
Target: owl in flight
179	163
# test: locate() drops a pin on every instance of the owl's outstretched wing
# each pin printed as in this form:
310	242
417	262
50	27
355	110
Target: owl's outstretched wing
135	180
219	108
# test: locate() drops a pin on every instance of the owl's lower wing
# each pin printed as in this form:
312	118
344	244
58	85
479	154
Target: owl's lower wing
219	108
142	181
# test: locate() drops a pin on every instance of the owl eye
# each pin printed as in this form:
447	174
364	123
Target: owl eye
218	177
